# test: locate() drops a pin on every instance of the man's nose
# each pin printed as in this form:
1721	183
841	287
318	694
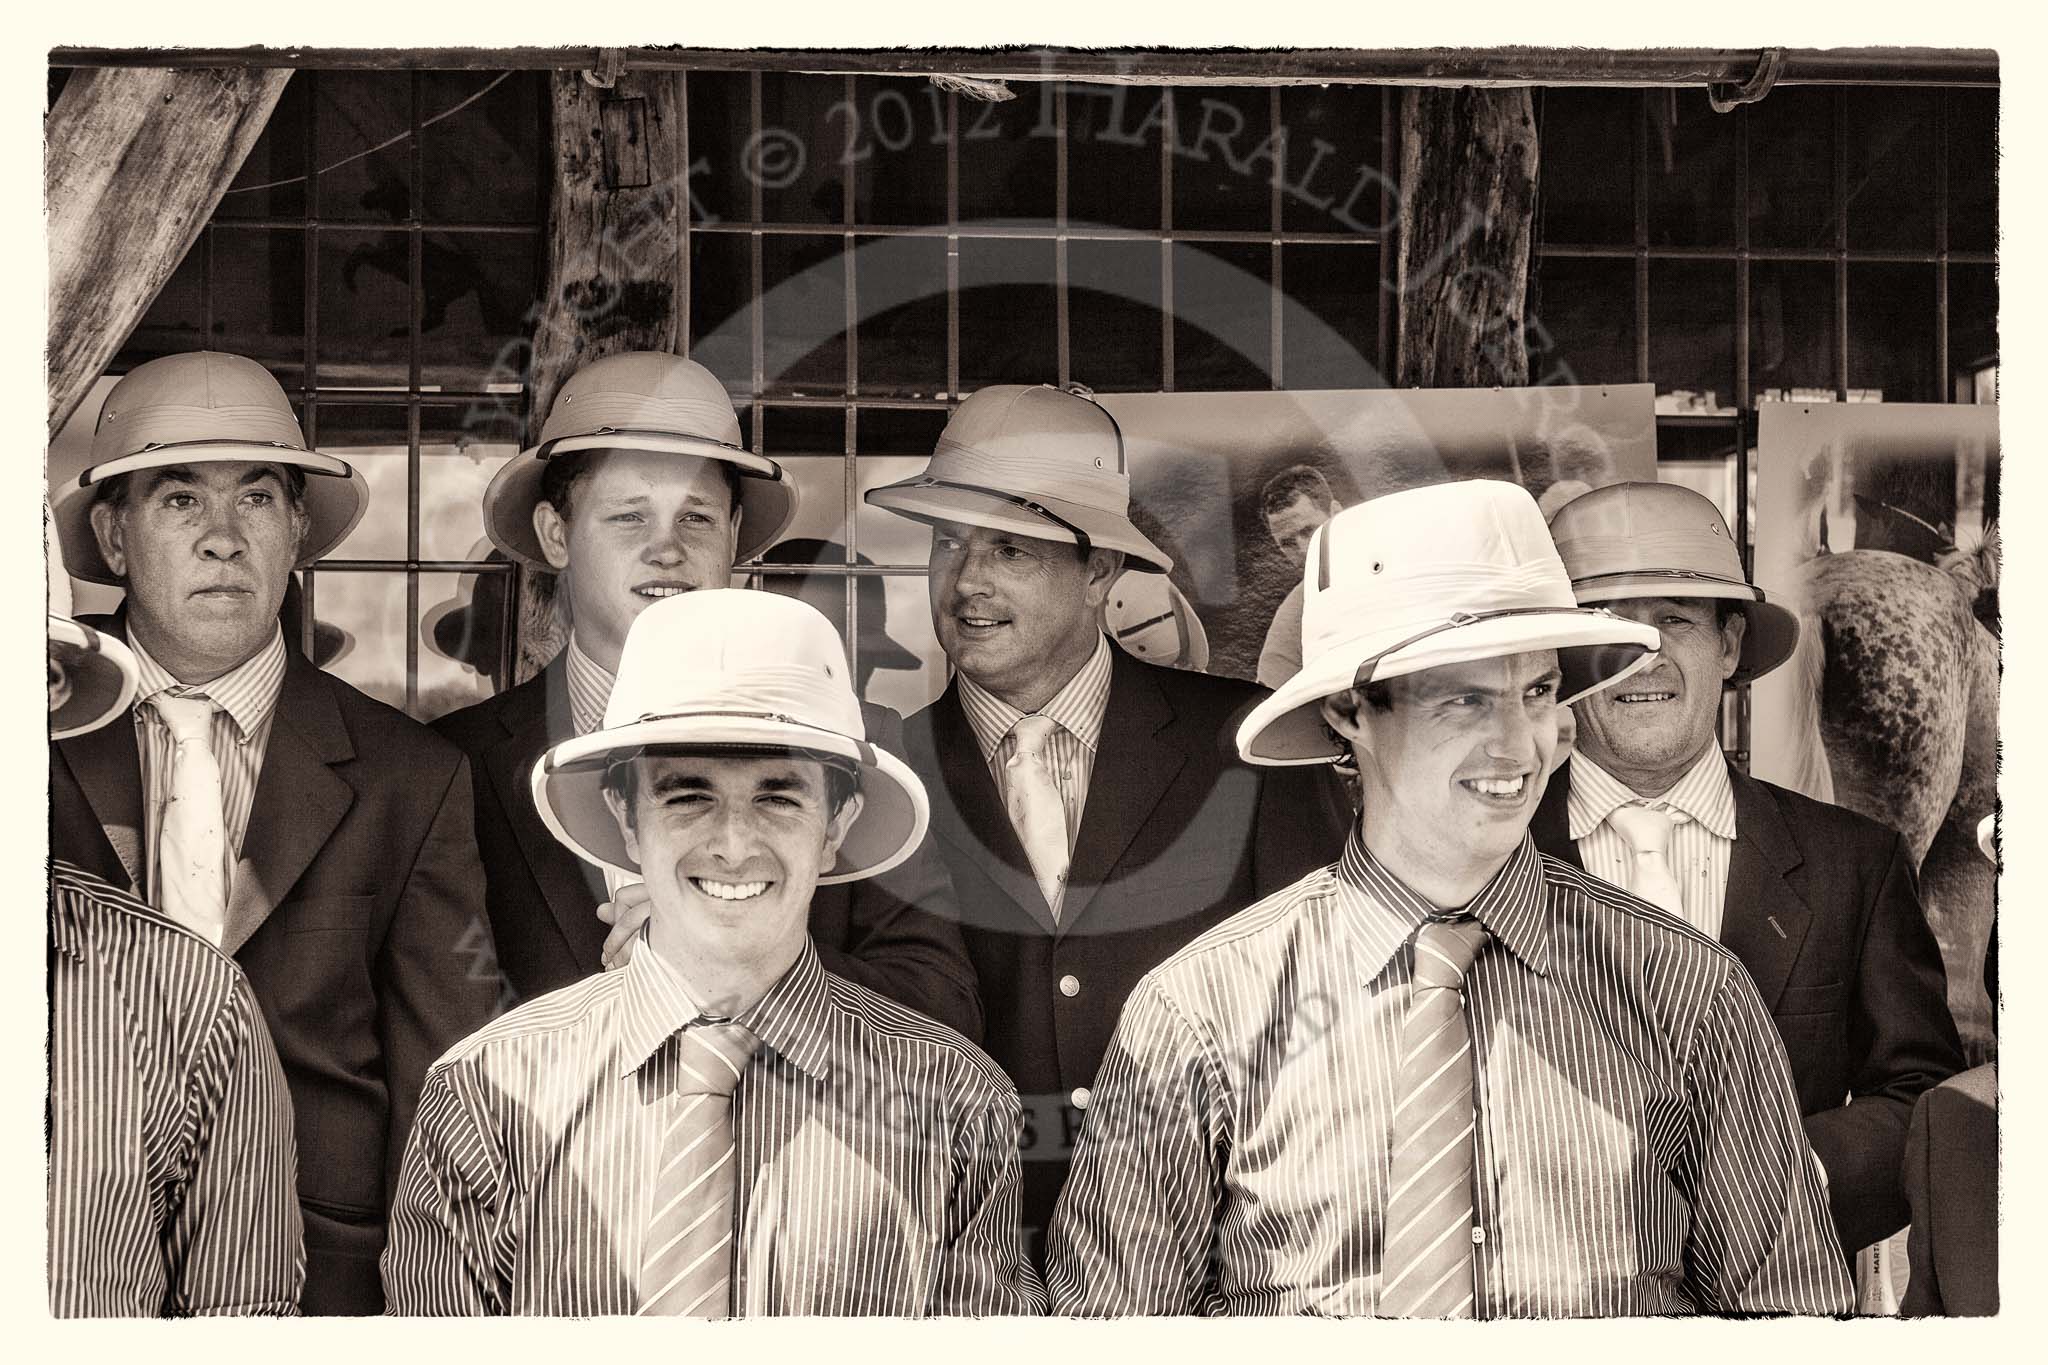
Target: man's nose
1512	733
665	545
726	835
222	536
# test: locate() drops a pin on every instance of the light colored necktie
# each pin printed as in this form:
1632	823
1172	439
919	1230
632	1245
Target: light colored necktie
686	1270
1648	835
1036	811
192	850
1426	1254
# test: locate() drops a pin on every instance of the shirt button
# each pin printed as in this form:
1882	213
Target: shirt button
1070	986
1478	1236
1080	1097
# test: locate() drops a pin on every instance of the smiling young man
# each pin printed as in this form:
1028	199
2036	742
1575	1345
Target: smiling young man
721	1127
640	490
1092	819
1447	1076
1818	902
318	837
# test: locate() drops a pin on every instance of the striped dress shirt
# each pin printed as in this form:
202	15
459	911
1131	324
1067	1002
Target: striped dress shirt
1637	1145
1700	846
247	697
876	1161
1078	710
172	1177
590	688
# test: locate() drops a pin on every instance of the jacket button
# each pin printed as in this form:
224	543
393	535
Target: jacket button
1080	1097
1070	986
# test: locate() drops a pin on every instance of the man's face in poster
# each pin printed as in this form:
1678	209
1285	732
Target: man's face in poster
1294	525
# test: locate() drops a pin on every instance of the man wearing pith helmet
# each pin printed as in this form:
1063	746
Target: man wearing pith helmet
1819	903
639	489
722	1126
318	837
1087	803
1445	1076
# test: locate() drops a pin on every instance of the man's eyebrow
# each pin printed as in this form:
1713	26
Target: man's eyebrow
785	783
172	473
262	472
671	782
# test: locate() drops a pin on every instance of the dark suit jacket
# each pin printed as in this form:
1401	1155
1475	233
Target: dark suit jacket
894	934
1177	835
1951	1174
357	914
1823	909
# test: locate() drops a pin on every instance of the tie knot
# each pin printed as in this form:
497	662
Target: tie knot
1647	831
189	716
1033	734
712	1057
1444	950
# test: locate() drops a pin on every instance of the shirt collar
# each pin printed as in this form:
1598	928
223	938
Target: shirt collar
790	1018
590	688
248	692
1383	913
1704	794
1079	707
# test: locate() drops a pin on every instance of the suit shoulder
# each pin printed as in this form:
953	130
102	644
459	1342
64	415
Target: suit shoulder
1214	690
1822	825
377	725
472	727
559	1011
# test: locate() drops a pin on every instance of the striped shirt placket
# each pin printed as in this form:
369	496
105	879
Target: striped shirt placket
1077	709
1702	844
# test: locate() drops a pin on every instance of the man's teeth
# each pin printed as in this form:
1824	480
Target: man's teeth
981	621
1500	786
661	592
1647	696
729	891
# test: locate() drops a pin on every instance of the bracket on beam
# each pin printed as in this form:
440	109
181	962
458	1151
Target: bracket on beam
1726	98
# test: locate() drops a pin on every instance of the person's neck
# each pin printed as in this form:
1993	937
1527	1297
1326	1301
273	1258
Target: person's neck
190	669
1442	884
1648	783
1030	695
720	986
605	654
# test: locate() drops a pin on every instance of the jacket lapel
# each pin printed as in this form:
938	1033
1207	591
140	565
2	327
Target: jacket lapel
536	716
1551	827
1763	918
108	770
298	802
968	813
1133	768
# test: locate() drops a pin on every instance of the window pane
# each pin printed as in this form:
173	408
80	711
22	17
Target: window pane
1329	321
482	163
354	112
259	298
1692	335
1891	333
804	431
360	624
272	181
803	314
477	316
719	110
1792	167
449	684
1216	184
721	324
1113	315
1582	320
804	152
1008	155
1588	147
1009	313
365	307
1692	171
1791	331
1333	176
1972	170
1113	134
1223	316
461	448
900	431
899	167
1972	317
373	438
901	283
1892	135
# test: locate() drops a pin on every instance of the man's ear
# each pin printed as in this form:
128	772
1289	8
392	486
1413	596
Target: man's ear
1344	713
1732	632
553	534
1101	570
623	813
110	533
732	548
838	827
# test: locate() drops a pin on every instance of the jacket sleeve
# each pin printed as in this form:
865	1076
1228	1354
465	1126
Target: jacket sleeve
903	927
438	970
1304	817
1901	1042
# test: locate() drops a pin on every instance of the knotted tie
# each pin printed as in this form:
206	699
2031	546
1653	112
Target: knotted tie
1648	835
192	851
687	1268
1036	811
1426	1258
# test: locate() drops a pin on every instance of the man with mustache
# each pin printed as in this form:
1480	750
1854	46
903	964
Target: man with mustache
318	837
1819	903
638	490
1445	1077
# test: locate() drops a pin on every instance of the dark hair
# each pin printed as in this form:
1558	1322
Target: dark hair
114	491
841	780
1295	481
560	474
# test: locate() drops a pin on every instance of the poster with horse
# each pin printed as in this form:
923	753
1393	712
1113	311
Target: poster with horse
1878	524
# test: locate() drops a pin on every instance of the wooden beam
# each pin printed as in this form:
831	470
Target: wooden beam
614	277
1468	202
133	163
